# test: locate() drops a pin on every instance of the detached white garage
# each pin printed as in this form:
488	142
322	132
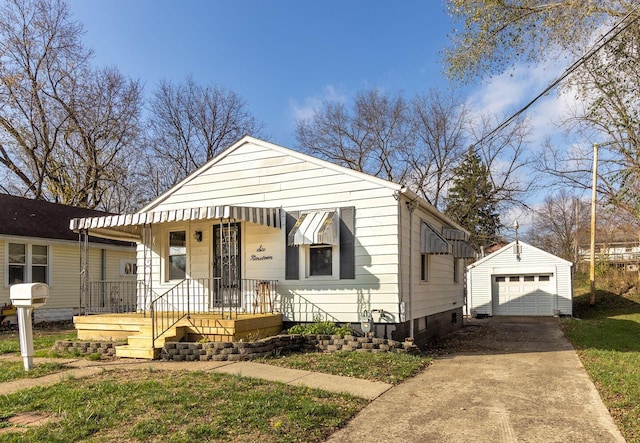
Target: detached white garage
520	279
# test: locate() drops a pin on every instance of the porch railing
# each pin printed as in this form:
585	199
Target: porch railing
211	295
110	297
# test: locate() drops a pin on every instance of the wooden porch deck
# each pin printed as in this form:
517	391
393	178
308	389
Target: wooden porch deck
136	330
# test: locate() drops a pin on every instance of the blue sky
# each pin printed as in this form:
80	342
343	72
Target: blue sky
282	56
285	57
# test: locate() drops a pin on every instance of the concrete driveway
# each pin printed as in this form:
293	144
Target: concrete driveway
508	379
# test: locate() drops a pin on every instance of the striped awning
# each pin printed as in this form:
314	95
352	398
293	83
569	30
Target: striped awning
315	227
129	224
458	239
432	242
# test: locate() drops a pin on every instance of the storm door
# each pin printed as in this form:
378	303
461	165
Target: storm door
227	265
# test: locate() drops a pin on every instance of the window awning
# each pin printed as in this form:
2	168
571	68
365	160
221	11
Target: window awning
458	239
315	227
128	225
431	242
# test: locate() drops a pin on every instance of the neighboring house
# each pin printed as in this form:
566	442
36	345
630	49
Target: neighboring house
36	245
520	279
330	243
624	254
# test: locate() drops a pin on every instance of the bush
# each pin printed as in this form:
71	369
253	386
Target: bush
322	328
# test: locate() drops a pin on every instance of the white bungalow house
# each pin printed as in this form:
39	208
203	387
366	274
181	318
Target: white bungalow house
36	245
520	279
264	227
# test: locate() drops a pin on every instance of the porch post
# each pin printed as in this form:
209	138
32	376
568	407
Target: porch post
147	267
84	270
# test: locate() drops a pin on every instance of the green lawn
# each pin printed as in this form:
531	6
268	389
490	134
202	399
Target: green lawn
43	339
159	406
607	339
382	366
138	405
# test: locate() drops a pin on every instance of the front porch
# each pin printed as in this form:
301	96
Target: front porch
192	310
136	329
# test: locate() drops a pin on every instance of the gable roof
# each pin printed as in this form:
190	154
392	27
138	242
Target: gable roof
524	245
24	217
401	189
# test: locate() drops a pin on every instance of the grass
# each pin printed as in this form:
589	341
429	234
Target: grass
169	407
43	339
607	341
383	366
139	405
13	370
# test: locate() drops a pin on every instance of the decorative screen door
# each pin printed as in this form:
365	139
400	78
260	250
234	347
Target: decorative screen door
227	264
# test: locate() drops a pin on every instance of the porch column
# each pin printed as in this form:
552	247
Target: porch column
84	270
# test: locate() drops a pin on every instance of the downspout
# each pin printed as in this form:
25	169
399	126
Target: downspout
401	298
411	206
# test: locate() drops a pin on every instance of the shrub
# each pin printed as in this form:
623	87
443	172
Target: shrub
319	327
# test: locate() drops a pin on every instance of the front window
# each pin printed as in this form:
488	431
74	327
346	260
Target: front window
28	263
320	260
177	255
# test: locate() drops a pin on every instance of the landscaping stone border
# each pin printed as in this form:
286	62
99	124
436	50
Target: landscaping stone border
236	351
86	348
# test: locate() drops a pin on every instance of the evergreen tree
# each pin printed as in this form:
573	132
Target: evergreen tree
472	201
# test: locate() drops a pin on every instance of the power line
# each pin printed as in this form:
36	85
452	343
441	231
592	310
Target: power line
600	43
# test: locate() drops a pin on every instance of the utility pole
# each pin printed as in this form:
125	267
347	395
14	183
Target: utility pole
592	253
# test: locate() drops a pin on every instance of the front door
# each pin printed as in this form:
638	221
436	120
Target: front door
227	264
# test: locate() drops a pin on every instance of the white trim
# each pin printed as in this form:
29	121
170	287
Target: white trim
28	261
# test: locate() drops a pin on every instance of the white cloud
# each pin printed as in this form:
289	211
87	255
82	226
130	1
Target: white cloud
503	95
304	110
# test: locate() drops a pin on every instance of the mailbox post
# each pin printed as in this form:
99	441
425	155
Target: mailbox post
25	297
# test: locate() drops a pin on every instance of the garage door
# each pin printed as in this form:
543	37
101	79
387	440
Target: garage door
523	294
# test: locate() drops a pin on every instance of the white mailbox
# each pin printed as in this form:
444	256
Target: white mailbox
30	295
25	297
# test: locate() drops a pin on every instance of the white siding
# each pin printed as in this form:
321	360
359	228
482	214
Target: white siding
64	284
258	174
255	175
505	262
439	293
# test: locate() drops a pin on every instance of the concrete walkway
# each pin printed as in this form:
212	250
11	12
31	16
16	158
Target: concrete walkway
511	380
84	368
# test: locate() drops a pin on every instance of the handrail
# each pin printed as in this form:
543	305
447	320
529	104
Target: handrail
208	295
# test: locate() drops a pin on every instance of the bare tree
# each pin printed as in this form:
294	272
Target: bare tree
494	36
373	137
38	44
95	162
508	157
66	129
440	127
560	225
190	124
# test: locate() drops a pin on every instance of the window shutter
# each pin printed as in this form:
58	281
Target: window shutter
347	243
292	255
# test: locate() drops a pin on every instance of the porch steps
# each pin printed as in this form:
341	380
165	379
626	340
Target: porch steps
136	330
140	345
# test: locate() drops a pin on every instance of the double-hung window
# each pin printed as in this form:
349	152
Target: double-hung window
27	263
177	255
